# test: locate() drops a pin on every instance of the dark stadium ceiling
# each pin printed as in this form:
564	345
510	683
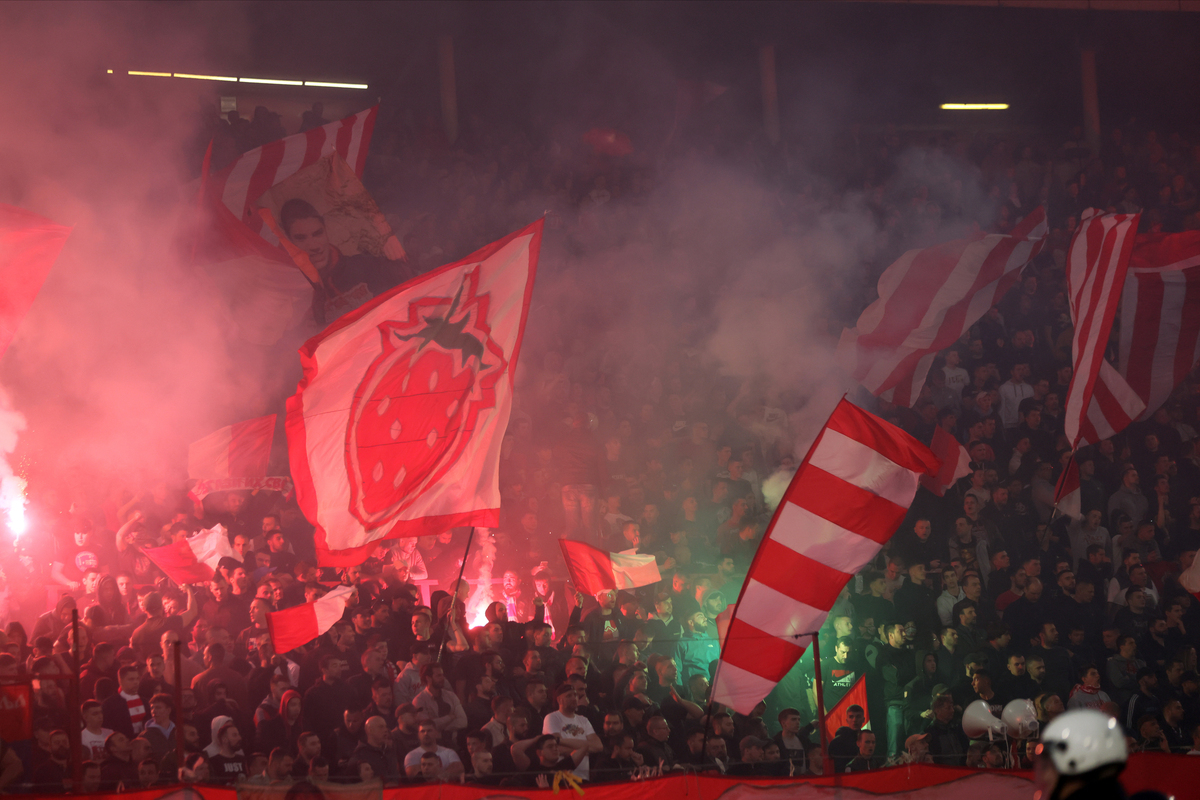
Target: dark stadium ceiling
837	61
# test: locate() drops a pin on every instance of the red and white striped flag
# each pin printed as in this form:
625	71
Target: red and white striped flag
594	570
928	299
193	560
956	462
395	429
241	450
842	506
1098	398
1159	340
297	626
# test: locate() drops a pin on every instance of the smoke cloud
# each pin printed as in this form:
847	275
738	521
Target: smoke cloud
125	356
704	256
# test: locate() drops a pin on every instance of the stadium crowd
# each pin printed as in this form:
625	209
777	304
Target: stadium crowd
985	593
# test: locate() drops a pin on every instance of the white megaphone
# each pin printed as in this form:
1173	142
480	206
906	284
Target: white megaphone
1021	718
978	722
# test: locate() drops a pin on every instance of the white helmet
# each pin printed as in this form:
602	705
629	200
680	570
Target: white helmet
1082	740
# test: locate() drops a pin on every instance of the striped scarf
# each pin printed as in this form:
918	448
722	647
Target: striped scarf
137	711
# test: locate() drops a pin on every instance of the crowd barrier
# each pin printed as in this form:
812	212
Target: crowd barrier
1173	775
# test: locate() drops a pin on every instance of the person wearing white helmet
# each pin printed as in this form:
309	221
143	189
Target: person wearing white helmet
1081	754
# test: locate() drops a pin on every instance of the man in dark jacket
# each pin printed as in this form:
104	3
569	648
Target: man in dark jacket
947	742
376	749
897	669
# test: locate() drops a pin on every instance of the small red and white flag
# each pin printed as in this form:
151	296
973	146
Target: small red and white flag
297	626
594	570
396	426
836	717
193	560
850	494
927	301
29	246
1190	578
1159	338
241	450
956	462
1098	400
1067	495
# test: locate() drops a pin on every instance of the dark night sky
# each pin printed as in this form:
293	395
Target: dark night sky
837	61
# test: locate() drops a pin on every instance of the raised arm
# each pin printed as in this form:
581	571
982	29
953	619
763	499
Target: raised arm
520	753
192	611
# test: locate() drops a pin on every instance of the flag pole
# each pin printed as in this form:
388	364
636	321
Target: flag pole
816	650
177	668
73	698
454	594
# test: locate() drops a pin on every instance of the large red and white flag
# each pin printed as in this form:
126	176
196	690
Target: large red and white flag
594	570
1098	398
395	428
29	246
844	503
193	560
297	626
239	186
928	299
1159	338
956	462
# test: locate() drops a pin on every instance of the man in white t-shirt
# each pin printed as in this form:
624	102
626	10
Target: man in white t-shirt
1012	392
956	377
427	735
94	733
574	731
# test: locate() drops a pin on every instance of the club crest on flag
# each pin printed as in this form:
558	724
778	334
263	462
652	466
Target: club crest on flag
417	404
395	429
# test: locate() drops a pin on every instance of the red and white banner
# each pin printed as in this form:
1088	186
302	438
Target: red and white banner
242	183
202	489
956	462
1172	775
1098	400
927	300
857	696
297	626
594	570
29	246
844	503
193	560
1159	338
241	450
395	429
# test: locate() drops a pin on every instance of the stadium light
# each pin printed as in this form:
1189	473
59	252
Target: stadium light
974	106
271	81
205	77
328	85
232	79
